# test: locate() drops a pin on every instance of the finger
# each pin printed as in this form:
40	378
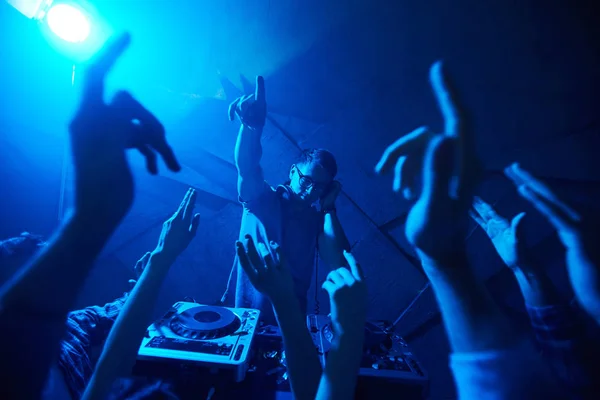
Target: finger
259	94
516	226
189	205
412	169
244	260
438	168
280	259
151	130
168	155
253	255
405	174
447	100
329	287
269	261
346	276
263	251
150	157
141	263
232	108
335	277
195	224
561	220
398	174
467	166
93	85
355	267
510	174
181	208
544	191
404	146
485	210
480	221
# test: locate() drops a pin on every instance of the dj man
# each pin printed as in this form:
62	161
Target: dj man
286	214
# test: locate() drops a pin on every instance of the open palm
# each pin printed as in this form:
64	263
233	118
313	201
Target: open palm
506	236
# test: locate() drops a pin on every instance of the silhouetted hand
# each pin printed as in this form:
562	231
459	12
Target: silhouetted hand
252	108
101	132
578	234
266	269
450	170
348	295
179	230
506	236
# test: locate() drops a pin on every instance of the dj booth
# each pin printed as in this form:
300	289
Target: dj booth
210	352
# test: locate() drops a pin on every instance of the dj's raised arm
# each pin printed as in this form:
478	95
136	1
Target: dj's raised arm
288	213
252	112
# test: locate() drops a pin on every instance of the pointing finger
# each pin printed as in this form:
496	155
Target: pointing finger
355	267
447	100
93	85
259	94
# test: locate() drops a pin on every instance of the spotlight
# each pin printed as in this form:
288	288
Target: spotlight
68	23
73	27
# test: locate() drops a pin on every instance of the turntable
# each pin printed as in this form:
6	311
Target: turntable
217	338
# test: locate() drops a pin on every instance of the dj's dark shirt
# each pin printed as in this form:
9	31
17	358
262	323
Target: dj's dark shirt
86	328
270	217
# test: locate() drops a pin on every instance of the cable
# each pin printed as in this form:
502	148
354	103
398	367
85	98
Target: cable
65	167
317	304
412	303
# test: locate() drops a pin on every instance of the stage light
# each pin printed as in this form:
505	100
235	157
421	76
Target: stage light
68	23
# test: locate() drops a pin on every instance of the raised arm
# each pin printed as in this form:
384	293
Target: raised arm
39	297
120	350
348	296
252	112
271	276
484	343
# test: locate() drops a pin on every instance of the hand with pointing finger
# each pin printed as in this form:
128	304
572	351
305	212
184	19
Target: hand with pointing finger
348	295
100	133
252	108
450	169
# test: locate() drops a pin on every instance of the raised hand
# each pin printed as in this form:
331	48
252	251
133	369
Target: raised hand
100	133
252	108
578	234
179	230
406	156
266	269
348	295
328	199
506	236
450	170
